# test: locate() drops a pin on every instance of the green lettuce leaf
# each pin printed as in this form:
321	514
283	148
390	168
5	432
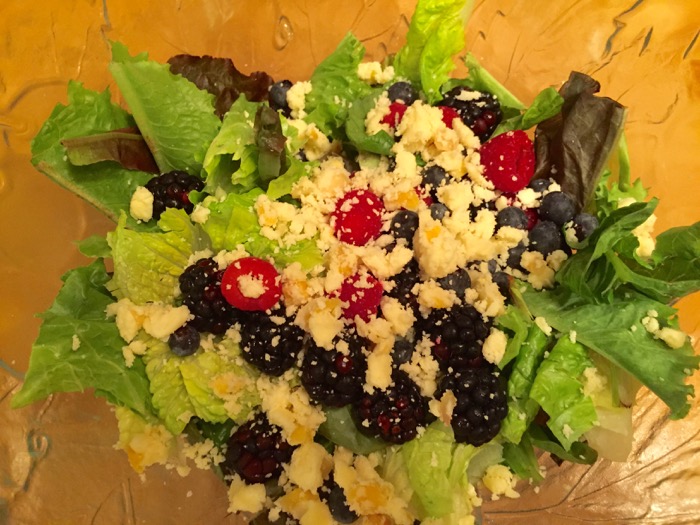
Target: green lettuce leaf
282	185
518	324
340	428
435	36
558	389
105	185
615	331
174	116
77	320
381	142
272	153
147	264
547	104
126	147
95	246
480	79
335	85
522	460
580	452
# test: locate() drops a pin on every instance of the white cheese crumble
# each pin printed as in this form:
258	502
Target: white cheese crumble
141	204
500	481
373	73
495	346
296	98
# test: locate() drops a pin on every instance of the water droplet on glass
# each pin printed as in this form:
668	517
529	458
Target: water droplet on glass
284	33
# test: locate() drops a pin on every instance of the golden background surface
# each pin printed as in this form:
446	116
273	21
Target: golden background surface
57	463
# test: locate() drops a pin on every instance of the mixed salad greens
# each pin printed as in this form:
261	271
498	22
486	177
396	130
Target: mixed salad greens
576	352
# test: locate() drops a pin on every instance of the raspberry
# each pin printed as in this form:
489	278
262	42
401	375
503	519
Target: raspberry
256	451
509	161
251	284
396	111
362	293
171	190
357	218
394	414
448	115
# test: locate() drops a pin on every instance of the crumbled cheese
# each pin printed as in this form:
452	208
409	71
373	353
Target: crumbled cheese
593	382
133	349
572	336
373	120
75	343
158	320
317	144
373	73
204	454
542	324
399	317
309	466
246	497
423	368
672	337
444	407
432	295
296	98
251	286
321	317
200	214
540	275
495	346
141	204
500	481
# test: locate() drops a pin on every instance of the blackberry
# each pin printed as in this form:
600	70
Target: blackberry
402	92
278	97
403	282
270	343
395	414
256	451
333	495
333	378
546	237
200	285
457	335
172	190
481	113
557	207
184	341
481	404
513	217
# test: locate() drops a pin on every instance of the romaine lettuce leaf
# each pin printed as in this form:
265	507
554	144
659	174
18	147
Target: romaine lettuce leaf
79	348
435	35
381	142
335	85
126	147
282	185
340	428
105	185
580	452
558	389
522	460
147	264
175	117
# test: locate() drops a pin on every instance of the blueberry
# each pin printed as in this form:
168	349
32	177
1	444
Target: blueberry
513	217
404	225
338	506
278	95
514	255
539	185
584	225
503	281
457	281
184	341
438	211
434	176
546	237
402	351
557	207
402	92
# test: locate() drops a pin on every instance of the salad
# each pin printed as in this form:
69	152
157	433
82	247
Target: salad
362	297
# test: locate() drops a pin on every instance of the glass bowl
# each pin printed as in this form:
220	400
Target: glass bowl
57	461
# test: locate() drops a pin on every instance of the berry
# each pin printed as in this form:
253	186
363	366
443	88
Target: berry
438	211
270	343
404	225
584	225
509	161
458	281
402	351
532	217
250	283
513	217
448	115
557	207
396	111
184	341
480	111
361	294
278	97
256	451
514	255
457	335
539	185
546	237
433	177
402	92
200	285
171	190
357	218
333	495
403	283
333	378
502	280
395	414
481	404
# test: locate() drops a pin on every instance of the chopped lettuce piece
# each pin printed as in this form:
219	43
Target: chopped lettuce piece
126	147
522	460
79	348
340	428
558	389
175	117
147	264
435	36
547	104
381	142
105	185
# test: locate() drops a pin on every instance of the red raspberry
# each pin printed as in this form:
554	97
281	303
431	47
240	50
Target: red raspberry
532	217
448	115
232	284
509	160
396	111
362	293
357	218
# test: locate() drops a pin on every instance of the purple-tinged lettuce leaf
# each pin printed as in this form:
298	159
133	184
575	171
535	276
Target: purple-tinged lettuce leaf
573	147
221	78
272	154
126	147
